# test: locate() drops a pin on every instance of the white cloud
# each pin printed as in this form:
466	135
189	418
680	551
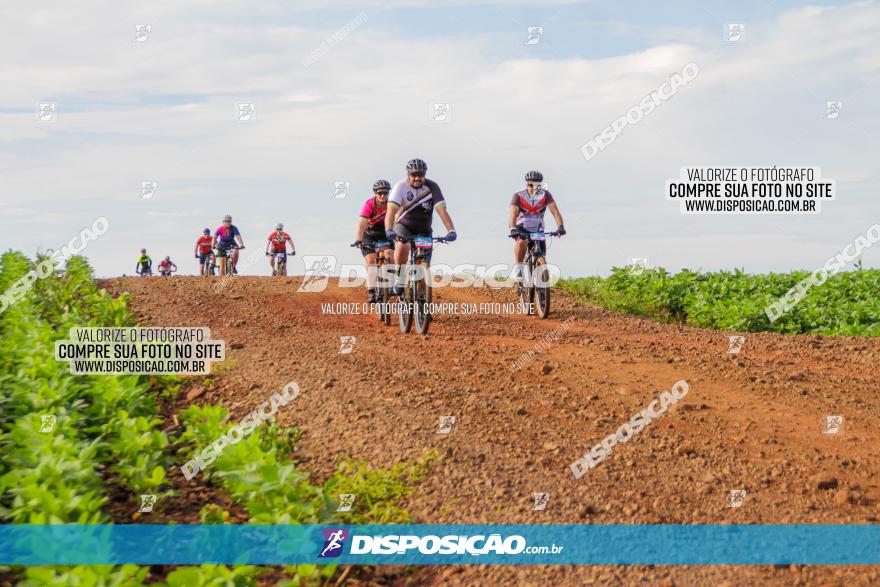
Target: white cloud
163	110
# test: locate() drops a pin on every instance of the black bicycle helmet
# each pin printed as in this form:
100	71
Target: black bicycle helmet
381	184
416	166
534	176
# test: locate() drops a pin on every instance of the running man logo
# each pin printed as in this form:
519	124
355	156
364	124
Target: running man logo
735	32
541	501
737	498
638	265
446	423
346	501
46	112
735	344
318	269
147	503
148	189
340	189
439	112
346	344
832	109
832	424
334	542
534	35
141	32
47	423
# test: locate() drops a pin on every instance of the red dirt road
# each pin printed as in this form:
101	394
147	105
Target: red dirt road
752	420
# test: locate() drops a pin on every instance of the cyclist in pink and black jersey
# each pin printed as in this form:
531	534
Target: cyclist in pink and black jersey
371	230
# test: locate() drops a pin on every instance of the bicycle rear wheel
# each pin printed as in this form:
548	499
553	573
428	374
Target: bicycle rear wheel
542	287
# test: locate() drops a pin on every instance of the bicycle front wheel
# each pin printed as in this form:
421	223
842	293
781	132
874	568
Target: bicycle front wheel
542	288
406	302
422	303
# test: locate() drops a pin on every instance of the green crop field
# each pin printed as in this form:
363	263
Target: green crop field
106	439
848	303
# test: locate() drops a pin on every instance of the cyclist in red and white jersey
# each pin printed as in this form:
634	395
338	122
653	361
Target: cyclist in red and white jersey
527	209
371	230
277	242
411	206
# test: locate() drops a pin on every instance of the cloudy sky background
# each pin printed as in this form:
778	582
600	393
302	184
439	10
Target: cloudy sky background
163	110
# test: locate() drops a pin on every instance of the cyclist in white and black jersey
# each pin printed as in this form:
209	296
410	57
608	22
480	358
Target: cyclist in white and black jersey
411	207
527	209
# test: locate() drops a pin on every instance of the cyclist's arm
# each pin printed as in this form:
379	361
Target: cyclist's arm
240	240
361	227
444	216
292	246
511	218
268	244
196	252
390	215
557	215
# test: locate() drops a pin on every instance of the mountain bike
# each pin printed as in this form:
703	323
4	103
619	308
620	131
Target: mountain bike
225	258
207	262
415	301
383	288
279	263
534	279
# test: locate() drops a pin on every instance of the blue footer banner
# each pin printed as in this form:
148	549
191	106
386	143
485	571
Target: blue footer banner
611	544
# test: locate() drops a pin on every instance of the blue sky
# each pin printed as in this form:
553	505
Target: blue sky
163	110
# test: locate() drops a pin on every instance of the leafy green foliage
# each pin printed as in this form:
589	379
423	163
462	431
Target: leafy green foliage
846	304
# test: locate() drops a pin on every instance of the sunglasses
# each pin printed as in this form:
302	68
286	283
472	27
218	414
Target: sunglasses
382	193
533	185
227	222
419	174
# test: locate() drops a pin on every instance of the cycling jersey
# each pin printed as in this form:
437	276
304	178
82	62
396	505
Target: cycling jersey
164	265
226	235
204	244
279	241
531	209
416	205
144	263
374	212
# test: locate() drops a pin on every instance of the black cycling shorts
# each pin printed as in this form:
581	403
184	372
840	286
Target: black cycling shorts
368	244
405	232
